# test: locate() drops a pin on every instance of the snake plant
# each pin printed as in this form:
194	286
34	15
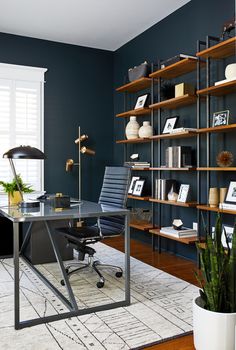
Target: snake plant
217	277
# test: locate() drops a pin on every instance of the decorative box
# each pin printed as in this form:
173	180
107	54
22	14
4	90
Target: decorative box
183	89
139	71
60	201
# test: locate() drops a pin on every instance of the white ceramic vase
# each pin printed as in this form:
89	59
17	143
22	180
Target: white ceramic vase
132	128
212	330
146	130
230	71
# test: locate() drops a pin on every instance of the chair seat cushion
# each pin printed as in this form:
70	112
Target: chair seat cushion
80	233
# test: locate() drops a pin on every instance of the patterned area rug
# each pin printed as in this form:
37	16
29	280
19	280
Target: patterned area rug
161	308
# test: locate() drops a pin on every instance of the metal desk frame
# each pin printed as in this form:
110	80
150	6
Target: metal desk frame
71	304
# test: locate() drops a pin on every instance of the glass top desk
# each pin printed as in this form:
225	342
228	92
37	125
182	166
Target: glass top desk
46	214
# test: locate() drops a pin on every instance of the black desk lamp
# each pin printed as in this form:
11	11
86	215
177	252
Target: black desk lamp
23	152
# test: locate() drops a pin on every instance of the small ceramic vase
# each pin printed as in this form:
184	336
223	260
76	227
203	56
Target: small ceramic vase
223	191
213	197
132	128
172	195
146	130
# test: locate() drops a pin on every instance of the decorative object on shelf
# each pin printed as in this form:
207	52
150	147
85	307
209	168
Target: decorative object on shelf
138	188
183	193
230	74
175	59
132	184
228	26
231	193
70	162
220	118
223	191
141	101
214	311
140	215
177	224
138	72
172	195
24	152
224	159
132	128
163	188
167	91
213	198
134	156
178	157
146	130
11	188
170	123
184	89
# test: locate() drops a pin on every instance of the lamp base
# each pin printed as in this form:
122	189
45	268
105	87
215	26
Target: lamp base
29	204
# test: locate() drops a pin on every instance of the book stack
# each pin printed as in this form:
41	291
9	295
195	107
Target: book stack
137	164
175	59
180	130
228	206
183	233
178	157
163	187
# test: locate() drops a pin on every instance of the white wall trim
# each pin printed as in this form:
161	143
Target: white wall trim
24	73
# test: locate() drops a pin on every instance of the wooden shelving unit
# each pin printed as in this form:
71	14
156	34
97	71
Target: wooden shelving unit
219	90
178	135
178	204
175	102
186	240
224	128
217	210
138	140
136	85
140	169
173	169
136	112
146	198
144	226
216	169
222	50
177	69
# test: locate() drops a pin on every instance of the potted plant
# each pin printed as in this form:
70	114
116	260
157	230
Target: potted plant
14	196
214	311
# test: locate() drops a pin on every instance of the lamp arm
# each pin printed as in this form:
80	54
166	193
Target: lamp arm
15	176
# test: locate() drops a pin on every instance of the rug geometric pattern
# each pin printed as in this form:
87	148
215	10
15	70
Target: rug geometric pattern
161	308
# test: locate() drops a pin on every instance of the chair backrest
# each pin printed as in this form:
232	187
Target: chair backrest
114	193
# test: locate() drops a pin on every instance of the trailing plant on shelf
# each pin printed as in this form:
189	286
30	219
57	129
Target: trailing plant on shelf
11	187
217	277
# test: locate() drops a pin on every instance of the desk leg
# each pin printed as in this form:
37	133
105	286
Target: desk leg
16	274
127	260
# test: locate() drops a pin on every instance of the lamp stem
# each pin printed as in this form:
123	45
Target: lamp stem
15	176
79	165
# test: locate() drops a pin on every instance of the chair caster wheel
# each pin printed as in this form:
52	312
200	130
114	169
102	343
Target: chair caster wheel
62	282
119	274
100	284
67	270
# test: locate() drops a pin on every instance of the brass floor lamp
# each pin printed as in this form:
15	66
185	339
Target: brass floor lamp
70	162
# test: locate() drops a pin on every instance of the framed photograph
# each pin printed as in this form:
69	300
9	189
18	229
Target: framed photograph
220	118
231	193
138	187
141	101
132	184
227	232
170	124
183	193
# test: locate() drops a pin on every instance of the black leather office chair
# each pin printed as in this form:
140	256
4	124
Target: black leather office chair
113	193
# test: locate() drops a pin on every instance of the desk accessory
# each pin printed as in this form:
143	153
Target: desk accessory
23	152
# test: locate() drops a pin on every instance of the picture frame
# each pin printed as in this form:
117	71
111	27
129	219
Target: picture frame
170	124
183	193
141	101
231	193
138	188
132	184
228	231
220	118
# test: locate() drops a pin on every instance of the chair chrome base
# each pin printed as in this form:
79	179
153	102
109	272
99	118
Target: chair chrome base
95	265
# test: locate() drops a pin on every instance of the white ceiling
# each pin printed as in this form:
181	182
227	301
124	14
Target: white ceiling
104	24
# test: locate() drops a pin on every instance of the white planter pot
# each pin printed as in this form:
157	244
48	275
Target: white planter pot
146	130
212	330
230	71
132	128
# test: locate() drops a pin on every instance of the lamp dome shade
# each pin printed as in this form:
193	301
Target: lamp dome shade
24	152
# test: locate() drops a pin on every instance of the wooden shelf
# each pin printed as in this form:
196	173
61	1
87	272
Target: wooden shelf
136	85
143	226
217	210
140	169
173	169
174	70
219	90
223	128
175	102
146	198
186	240
180	204
174	135
137	140
222	50
217	169
137	112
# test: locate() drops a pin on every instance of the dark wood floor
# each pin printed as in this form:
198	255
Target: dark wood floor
170	263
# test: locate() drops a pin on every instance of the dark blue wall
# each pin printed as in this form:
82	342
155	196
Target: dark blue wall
78	91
